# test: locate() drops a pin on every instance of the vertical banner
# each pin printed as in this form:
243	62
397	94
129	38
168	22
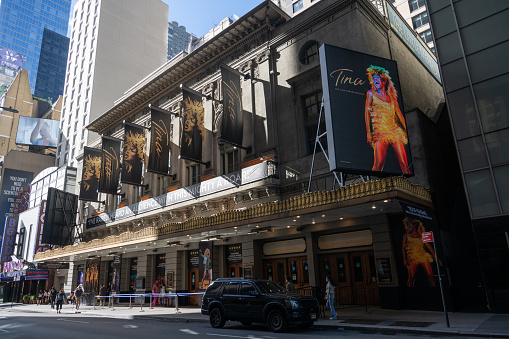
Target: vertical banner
115	266
8	239
192	127
91	174
159	154
92	276
134	143
110	166
205	264
39	245
233	120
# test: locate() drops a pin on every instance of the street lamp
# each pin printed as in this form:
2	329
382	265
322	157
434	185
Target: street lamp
10	109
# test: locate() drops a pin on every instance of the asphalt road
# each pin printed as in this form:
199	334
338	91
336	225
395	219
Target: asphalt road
86	327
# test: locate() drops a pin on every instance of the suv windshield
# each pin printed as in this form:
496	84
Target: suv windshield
269	287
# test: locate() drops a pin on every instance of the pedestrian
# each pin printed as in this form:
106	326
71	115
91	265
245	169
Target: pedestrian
52	296
290	286
39	297
78	293
329	297
103	292
60	300
45	297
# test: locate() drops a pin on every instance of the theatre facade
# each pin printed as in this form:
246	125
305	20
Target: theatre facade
255	198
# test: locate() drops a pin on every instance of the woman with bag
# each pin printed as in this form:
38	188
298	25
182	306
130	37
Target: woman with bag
60	300
329	297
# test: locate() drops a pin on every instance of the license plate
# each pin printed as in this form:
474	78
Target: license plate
312	316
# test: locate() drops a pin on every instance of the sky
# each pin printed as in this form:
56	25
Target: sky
200	16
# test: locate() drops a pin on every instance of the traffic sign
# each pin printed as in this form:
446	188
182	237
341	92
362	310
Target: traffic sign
427	237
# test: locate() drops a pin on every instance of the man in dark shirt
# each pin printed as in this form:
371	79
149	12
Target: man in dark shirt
103	291
78	293
52	296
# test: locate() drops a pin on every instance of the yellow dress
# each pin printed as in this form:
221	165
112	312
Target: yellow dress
415	252
383	119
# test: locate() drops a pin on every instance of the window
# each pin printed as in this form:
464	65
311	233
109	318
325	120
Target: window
231	288
415	4
230	161
312	104
309	53
420	20
426	36
298	5
193	174
246	288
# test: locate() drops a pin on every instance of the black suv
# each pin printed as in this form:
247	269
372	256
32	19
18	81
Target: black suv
254	300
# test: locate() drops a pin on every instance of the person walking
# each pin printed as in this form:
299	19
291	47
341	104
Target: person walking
329	297
60	300
290	286
103	292
78	293
53	296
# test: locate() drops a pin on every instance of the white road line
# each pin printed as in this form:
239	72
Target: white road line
74	321
234	336
130	326
188	331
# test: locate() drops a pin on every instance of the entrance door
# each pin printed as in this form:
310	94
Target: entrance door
193	285
275	270
234	270
298	271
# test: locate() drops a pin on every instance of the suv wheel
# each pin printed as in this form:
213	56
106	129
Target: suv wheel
217	319
277	321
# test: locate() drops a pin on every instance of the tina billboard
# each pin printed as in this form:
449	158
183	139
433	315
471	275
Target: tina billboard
366	128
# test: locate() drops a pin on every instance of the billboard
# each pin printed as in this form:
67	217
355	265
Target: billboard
59	218
92	276
8	239
205	264
366	129
10	63
35	131
39	245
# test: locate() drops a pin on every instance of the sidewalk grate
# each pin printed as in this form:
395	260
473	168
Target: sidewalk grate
411	324
362	321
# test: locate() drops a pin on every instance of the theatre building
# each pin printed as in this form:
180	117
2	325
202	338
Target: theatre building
250	196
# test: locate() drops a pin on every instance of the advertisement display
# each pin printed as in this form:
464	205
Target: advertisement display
8	239
91	174
366	129
39	245
38	132
192	127
133	154
205	264
115	266
233	120
10	63
60	217
159	155
110	166
92	276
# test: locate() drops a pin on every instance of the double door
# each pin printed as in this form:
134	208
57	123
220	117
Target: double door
234	270
353	275
296	268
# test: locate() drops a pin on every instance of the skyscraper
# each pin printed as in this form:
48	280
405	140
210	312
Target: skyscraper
178	39
114	45
472	44
22	24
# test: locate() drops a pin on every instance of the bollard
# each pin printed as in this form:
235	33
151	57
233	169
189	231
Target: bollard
177	303
93	301
141	303
151	301
112	303
130	299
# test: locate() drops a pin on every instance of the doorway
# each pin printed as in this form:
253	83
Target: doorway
193	286
353	275
234	270
296	268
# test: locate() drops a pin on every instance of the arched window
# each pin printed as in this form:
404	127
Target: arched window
309	52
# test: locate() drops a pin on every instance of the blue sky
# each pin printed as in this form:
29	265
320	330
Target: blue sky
200	16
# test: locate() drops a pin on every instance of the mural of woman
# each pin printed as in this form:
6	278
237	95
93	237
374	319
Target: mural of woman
415	252
385	124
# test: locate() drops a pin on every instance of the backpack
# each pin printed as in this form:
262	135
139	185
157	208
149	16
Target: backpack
60	296
78	293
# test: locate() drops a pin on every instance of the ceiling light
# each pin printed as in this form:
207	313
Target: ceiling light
294	219
373	207
313	222
288	226
323	215
298	216
341	218
257	226
174	243
386	200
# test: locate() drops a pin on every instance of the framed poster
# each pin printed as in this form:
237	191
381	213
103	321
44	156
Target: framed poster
384	270
169	280
248	272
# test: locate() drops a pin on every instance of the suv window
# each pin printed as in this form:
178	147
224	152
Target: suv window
231	288
246	288
269	287
213	288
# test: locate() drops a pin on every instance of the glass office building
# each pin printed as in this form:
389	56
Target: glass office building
22	24
52	63
473	45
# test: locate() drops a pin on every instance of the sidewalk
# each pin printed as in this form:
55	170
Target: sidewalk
375	320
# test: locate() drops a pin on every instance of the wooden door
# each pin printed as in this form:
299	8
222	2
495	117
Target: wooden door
275	270
363	273
298	271
234	270
194	282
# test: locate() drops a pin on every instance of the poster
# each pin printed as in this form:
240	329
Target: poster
110	166
115	266
90	174
192	127
159	155
133	154
205	264
234	254
92	276
232	123
366	129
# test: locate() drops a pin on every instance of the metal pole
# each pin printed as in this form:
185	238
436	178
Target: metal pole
441	287
177	303
151	306
130	299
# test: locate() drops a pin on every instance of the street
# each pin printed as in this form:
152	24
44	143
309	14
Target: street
77	326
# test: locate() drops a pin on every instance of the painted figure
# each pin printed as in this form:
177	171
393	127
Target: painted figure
415	252
385	124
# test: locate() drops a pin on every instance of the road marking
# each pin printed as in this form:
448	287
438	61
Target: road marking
130	326
188	331
234	336
74	321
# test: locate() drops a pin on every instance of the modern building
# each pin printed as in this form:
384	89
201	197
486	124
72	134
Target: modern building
178	39
255	209
114	44
52	65
472	46
22	25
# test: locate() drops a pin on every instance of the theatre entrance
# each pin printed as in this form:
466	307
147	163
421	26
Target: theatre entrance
193	286
354	276
295	267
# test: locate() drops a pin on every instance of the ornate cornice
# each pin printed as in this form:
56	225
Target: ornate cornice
299	203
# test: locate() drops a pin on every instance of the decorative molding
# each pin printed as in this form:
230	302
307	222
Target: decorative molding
139	232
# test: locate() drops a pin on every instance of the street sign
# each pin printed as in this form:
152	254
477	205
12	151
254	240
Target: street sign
427	237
